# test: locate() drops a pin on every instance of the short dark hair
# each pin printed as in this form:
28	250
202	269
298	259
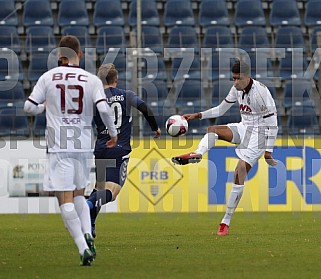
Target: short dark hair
68	43
240	67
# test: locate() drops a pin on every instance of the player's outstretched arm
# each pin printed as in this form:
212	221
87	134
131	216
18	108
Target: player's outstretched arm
192	116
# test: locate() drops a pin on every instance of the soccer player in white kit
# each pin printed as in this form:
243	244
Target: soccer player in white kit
255	134
69	94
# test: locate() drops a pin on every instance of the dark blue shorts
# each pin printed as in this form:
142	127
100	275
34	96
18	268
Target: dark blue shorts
111	165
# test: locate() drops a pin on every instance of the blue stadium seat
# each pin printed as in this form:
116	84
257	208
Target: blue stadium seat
190	93
13	122
252	38
152	39
40	39
15	74
302	120
183	37
314	38
13	96
81	32
39	125
289	37
155	94
8	13
72	12
231	116
113	15
293	67
9	39
110	38
261	68
218	38
182	69
154	71
37	12
298	92
220	90
218	69
312	15
178	12
249	12
209	16
149	13
284	12
38	65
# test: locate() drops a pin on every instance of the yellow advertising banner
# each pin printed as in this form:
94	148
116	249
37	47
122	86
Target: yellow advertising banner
155	184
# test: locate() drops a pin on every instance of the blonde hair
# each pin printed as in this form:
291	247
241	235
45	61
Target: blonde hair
107	73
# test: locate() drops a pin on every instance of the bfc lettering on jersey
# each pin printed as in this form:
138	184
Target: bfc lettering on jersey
69	76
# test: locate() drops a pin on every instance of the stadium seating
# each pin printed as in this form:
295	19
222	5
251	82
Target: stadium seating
14	73
178	12
190	93
37	12
289	37
220	90
152	39
209	16
81	32
37	66
314	38
9	39
182	37
155	94
218	68
40	39
312	15
13	96
39	125
154	71
8	13
186	69
149	13
110	38
217	38
252	38
292	67
302	120
13	122
72	12
284	12
113	15
298	92
261	67
249	12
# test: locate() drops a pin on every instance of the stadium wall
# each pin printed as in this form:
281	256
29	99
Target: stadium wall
154	184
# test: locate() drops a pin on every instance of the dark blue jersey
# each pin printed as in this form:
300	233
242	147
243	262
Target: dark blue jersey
121	101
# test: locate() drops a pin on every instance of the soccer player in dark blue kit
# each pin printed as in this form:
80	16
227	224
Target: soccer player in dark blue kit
111	163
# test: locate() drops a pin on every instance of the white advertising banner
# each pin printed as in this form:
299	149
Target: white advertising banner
22	170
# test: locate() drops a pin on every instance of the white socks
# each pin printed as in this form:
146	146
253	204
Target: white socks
206	143
233	201
82	209
72	222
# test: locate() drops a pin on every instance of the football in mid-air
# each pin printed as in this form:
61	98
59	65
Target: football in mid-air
176	125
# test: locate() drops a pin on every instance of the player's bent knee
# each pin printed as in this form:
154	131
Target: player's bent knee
114	188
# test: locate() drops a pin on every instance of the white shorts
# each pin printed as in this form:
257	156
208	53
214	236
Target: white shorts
67	171
251	142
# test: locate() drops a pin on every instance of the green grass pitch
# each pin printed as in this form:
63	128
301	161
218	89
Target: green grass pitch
260	245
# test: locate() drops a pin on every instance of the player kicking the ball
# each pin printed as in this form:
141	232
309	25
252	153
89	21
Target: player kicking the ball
255	134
